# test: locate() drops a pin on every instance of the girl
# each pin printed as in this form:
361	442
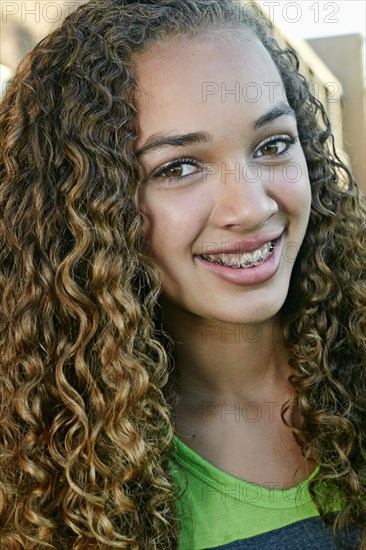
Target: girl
183	357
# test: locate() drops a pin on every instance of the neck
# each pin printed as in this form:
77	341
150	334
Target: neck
219	361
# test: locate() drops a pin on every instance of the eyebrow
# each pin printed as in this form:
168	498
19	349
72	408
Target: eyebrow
156	141
281	109
159	140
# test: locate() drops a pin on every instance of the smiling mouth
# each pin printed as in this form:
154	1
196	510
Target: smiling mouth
246	259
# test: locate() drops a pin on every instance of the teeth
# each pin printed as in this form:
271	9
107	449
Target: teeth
247	259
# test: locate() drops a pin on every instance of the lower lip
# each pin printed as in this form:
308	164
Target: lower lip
248	276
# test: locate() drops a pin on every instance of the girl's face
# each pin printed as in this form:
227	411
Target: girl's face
225	193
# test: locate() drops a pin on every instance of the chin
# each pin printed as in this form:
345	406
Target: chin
253	309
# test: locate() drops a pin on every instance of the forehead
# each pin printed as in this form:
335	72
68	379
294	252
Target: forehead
211	75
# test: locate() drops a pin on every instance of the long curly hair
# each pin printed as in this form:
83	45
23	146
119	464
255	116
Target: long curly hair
85	423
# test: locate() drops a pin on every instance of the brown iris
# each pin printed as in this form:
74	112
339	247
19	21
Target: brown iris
269	149
173	172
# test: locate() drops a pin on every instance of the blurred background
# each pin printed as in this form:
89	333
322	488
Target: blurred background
329	38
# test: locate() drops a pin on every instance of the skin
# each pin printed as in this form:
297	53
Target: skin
228	354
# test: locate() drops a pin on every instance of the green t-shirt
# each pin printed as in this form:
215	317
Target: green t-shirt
218	510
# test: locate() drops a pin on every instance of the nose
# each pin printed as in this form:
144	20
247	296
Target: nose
242	197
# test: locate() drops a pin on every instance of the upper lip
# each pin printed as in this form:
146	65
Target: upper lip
239	247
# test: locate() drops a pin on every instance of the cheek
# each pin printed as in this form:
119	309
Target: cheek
178	213
302	189
148	222
292	188
156	212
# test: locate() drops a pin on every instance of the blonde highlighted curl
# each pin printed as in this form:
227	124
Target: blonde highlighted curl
85	428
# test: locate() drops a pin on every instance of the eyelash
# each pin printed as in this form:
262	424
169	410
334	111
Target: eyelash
285	138
174	164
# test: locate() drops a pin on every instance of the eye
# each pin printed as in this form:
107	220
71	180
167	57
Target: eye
176	169
274	146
